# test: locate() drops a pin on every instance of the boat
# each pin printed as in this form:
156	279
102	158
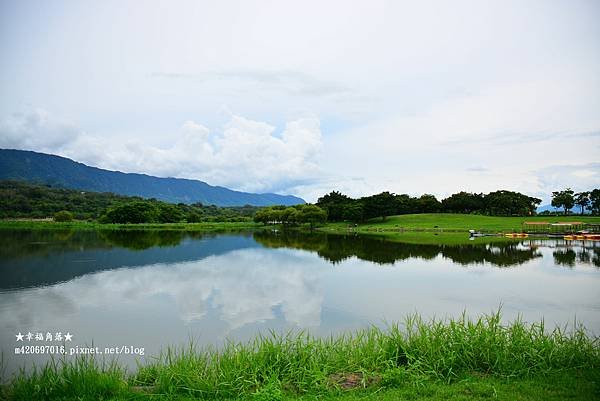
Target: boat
516	235
473	234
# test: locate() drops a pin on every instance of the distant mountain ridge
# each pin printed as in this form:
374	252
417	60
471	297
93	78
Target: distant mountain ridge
42	168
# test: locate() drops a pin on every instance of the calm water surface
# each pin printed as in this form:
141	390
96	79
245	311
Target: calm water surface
152	289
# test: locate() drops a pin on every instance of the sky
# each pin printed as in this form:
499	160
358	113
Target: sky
308	97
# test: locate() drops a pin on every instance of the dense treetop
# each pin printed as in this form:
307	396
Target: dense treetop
23	200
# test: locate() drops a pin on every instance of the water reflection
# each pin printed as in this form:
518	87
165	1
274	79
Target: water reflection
36	258
156	288
336	248
573	255
241	294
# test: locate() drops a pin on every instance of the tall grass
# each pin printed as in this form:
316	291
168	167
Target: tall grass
83	378
301	363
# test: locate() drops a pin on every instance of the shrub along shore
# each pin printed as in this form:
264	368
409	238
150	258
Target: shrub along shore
429	222
437	359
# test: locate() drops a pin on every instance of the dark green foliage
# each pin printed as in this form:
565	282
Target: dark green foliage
22	200
340	207
463	202
582	199
63	216
354	211
153	211
170	213
403	204
335	203
18	199
337	248
132	213
498	203
293	215
564	199
508	203
428	204
380	205
595	201
310	214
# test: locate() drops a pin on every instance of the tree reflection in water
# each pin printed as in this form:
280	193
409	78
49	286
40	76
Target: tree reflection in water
336	248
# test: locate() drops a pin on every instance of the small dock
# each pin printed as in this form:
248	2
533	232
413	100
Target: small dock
569	230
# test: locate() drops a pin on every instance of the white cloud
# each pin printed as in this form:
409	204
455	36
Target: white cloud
515	130
248	155
36	129
410	96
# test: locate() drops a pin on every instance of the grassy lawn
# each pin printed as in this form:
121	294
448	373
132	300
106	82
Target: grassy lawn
454	222
566	385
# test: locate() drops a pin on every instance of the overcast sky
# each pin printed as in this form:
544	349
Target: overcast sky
307	97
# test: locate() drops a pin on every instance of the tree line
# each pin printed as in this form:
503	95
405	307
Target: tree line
340	207
19	199
585	200
25	200
291	215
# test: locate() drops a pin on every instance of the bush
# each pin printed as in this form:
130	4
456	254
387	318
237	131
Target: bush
63	215
134	212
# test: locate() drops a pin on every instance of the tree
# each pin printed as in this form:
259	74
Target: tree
311	214
564	199
261	216
168	213
380	205
404	204
428	204
354	211
63	215
510	203
269	215
582	199
463	202
289	216
334	203
595	201
132	212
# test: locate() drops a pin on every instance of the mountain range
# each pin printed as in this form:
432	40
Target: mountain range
57	171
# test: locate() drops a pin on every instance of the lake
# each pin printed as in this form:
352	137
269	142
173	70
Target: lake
150	289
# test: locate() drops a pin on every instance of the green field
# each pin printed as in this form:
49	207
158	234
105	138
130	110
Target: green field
454	222
433	228
460	359
427	222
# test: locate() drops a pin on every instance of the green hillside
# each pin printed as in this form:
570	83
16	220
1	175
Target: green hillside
41	168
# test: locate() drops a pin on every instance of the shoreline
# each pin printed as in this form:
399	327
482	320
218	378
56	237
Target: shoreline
440	354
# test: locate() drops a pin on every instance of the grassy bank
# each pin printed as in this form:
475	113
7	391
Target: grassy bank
429	237
443	228
84	225
433	360
454	222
